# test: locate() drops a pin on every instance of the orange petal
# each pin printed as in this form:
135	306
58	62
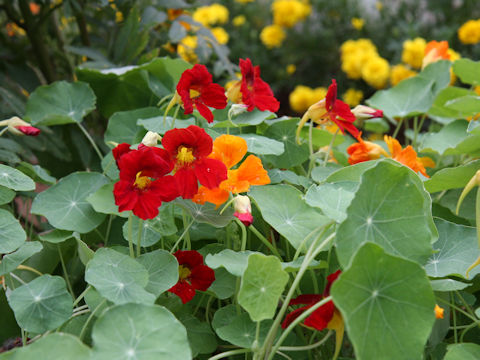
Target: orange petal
252	171
234	184
229	149
393	145
408	157
215	196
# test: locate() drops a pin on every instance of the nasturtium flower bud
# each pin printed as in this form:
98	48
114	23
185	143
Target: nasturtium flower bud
363	112
151	139
243	209
19	127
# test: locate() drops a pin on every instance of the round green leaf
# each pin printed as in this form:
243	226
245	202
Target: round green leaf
262	145
41	305
446	140
283	207
207	213
65	205
15	179
56	236
12	235
467	70
118	277
141	332
251	118
53	347
332	199
201	338
37	173
262	284
162	269
157	124
447	285
103	201
278	176
11	261
224	285
454	251
452	178
235	262
394	212
60	103
240	331
387	304
465	351
6	195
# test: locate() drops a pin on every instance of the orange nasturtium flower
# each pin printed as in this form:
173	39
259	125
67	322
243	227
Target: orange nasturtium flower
438	312
230	150
408	156
434	51
364	151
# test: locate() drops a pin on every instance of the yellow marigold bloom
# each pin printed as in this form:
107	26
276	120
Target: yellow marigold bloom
469	33
376	72
355	54
366	45
413	52
287	13
318	94
400	72
477	89
239	20
118	17
244	1
211	15
353	97
186	49
272	36
221	35
358	23
291	68
300	98
454	56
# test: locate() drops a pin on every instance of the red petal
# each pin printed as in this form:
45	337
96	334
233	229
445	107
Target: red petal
293	315
186	181
343	110
120	150
204	110
192	137
125	196
213	95
309	299
184	290
202	277
210	172
28	130
191	258
331	95
245	218
330	280
166	188
320	318
147	205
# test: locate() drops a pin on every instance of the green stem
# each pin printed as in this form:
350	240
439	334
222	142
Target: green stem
469	309
181	236
307	347
175	114
314	282
244	235
327	154
130	235
228	353
415	132
92	142
265	242
397	129
3	131
84	328
65	273
82	295
24	337
207	308
186	243
139	237
165	98
227	204
454	315
109	226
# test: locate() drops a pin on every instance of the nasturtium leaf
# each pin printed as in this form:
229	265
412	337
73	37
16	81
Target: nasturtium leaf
293	266
320	173
109	167
157	124
262	145
37	173
60	103
321	137
12	235
468	71
94	300
207	213
224	316
447	285
463	351
240	331
250	118
332	199
262	284
440	111
85	254
65	205
283	207
118	277
235	262
452	178
53	346
201	338
141	332
162	270
454	251
278	176
351	173
6	195
224	285
42	304
153	229
446	139
122	126
11	261
56	236
392	209
14	179
103	201
387	304
294	154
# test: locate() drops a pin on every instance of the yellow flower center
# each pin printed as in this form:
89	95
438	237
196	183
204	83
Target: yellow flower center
141	182
185	156
183	272
194	94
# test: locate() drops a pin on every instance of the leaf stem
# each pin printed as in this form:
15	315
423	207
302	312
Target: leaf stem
265	242
139	237
307	347
82	295
130	236
65	273
228	353
181	236
84	328
92	142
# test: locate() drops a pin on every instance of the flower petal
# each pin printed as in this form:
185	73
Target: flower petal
210	172
202	277
184	290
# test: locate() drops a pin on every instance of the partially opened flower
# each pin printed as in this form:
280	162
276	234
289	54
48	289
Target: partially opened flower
193	275
196	89
143	184
243	209
362	112
325	317
330	109
434	51
19	127
255	93
189	150
364	151
230	150
408	156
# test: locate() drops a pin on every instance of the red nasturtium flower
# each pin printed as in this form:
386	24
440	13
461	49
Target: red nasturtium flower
333	109
19	127
325	317
189	149
193	275
195	88
230	150
143	184
252	90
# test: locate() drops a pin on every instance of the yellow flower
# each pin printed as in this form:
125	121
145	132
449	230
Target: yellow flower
454	56
413	52
287	13
272	36
469	33
211	15
376	72
300	98
186	49
353	97
355	54
239	20
358	23
291	68
221	35
477	90
118	17
318	94
400	72
244	1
